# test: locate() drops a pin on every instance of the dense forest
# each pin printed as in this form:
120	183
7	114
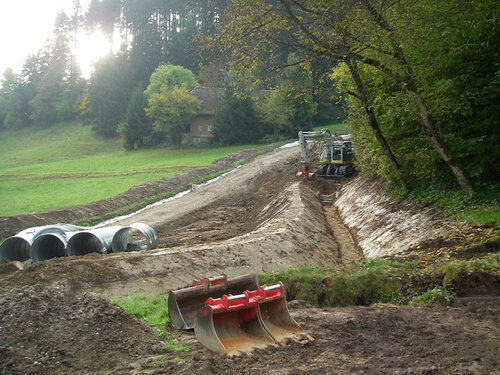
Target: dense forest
50	87
419	81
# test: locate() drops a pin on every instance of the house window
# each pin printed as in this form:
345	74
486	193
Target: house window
200	128
209	128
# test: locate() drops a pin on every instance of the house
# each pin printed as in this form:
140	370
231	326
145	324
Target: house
202	124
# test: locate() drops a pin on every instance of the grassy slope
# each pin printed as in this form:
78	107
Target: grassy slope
67	165
339	128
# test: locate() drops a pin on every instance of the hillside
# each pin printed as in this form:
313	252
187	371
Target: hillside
67	165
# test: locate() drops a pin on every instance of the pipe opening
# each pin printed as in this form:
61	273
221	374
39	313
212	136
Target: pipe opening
85	243
136	237
15	248
48	246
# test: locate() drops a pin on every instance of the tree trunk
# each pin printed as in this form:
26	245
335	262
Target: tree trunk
374	125
437	144
411	87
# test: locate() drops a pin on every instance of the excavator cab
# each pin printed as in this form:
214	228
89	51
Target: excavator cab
336	160
341	152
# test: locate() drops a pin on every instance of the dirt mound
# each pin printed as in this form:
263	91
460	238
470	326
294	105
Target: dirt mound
230	217
284	230
51	331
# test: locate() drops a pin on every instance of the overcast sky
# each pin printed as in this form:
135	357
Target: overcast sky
24	27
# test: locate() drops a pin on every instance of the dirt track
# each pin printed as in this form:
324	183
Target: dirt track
257	218
232	185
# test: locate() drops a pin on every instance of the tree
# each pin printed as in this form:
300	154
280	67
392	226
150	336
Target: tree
276	111
385	36
109	93
359	92
296	81
75	22
104	14
236	122
172	111
137	126
167	77
11	106
50	105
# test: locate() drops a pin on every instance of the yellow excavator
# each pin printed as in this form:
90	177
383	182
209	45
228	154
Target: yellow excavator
335	157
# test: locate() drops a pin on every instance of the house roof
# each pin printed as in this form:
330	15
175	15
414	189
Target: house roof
210	98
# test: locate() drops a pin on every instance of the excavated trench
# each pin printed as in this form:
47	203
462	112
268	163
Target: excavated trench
277	223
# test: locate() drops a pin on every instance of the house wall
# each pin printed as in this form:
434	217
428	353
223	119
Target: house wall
200	128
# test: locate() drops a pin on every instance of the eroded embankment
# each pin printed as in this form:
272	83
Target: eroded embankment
383	226
291	231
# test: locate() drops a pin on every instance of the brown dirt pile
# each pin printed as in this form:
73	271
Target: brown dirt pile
286	228
48	330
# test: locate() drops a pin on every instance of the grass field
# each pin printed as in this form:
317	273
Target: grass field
339	128
68	165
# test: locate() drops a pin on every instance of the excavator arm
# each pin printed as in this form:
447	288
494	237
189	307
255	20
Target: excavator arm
324	138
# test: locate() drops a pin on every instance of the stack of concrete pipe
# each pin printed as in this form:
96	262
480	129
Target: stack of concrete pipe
52	241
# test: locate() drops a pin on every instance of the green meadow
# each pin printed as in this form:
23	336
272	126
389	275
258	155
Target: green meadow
338	128
68	165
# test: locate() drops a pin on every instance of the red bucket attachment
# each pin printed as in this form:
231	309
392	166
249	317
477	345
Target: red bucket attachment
242	323
304	172
184	303
276	317
231	324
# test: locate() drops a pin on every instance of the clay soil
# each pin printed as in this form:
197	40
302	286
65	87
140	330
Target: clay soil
55	316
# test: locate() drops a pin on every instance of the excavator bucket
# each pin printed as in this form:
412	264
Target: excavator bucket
184	303
242	323
231	324
276	318
304	172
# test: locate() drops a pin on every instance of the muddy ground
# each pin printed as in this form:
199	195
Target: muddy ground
55	320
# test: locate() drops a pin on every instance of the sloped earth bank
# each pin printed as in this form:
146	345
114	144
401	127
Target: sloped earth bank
383	226
257	218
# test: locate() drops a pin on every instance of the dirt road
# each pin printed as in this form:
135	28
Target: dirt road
234	183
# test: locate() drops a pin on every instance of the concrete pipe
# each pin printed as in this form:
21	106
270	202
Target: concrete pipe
122	241
50	245
18	247
92	241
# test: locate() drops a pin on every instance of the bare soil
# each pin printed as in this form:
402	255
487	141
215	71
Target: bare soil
372	340
55	320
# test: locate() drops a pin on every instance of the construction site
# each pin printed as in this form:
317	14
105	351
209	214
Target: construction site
56	316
